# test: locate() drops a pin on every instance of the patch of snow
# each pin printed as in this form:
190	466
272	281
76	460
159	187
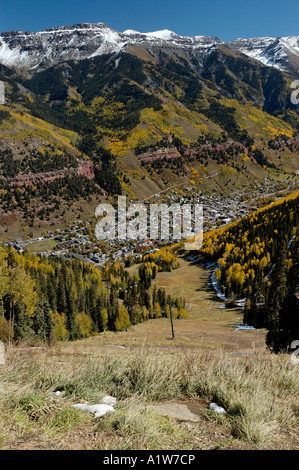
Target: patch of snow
164	34
218	291
131	32
56	394
291	241
12	56
243	327
192	258
216	408
111	43
108	400
98	410
117	62
270	51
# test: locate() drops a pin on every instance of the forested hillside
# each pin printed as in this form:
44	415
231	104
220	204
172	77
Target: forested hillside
55	299
257	260
127	104
120	124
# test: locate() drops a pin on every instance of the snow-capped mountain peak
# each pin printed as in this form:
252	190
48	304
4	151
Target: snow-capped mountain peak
273	52
42	49
164	34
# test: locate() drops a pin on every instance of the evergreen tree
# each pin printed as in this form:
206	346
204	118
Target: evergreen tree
43	323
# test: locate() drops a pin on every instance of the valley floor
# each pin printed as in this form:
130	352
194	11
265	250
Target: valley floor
209	325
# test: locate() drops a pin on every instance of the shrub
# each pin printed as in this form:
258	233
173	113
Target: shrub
6	330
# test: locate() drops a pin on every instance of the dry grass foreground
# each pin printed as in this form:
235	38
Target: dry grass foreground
147	372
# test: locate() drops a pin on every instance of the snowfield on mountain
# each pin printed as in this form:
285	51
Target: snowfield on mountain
85	40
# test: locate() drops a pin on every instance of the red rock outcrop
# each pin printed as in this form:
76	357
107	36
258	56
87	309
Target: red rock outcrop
85	168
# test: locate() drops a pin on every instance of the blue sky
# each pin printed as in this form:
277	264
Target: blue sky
226	19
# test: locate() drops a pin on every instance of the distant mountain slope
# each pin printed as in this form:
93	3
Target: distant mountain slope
145	111
111	97
128	105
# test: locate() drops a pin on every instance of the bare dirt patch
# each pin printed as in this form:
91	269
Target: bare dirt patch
187	410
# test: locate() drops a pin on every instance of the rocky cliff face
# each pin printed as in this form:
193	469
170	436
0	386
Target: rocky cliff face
85	168
40	50
281	53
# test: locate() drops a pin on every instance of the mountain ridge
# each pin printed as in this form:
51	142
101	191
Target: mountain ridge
39	50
